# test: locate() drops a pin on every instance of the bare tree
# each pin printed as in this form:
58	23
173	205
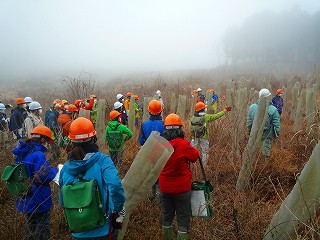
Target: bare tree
80	87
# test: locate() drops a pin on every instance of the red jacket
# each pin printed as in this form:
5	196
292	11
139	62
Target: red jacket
176	176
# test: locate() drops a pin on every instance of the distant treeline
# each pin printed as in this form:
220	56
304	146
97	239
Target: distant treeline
290	38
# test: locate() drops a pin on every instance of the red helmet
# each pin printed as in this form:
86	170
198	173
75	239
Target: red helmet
39	131
81	130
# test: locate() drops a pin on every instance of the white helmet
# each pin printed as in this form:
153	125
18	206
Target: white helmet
28	99
2	106
264	93
119	95
117	105
34	106
199	90
158	92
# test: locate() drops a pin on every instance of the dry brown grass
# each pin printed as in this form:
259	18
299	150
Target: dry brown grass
236	215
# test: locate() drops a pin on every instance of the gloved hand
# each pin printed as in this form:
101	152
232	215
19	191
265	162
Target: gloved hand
117	218
228	109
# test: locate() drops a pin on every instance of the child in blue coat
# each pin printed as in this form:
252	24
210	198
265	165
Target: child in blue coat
86	160
37	203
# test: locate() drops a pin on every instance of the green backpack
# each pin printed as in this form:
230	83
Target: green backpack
197	127
16	179
115	138
82	205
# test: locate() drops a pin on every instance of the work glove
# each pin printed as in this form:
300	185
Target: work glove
228	109
117	219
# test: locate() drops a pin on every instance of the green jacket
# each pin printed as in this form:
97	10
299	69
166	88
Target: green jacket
273	129
113	126
93	113
209	118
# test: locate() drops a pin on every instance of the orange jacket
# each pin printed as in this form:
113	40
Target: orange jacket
65	121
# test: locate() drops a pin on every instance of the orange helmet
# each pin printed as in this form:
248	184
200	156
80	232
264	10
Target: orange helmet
211	90
154	107
72	108
200	106
20	101
39	131
194	92
129	94
114	114
136	97
77	102
59	106
81	130
172	120
56	101
279	91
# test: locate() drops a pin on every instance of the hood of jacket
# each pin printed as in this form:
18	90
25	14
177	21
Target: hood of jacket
24	148
75	167
113	124
175	141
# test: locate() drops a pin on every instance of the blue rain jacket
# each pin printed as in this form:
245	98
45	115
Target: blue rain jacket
277	101
39	170
100	167
147	127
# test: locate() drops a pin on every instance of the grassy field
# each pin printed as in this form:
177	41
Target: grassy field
236	215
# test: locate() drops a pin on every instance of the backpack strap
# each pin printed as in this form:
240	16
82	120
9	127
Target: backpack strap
202	170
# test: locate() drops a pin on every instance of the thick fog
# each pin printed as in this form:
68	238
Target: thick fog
65	37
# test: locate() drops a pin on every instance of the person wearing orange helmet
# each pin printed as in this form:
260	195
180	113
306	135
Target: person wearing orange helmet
154	123
85	161
175	180
277	100
214	100
65	120
199	127
115	132
94	110
18	115
37	203
126	103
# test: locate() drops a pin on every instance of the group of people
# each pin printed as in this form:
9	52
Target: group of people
85	161
200	97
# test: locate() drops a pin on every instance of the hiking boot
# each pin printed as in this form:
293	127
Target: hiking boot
167	232
183	236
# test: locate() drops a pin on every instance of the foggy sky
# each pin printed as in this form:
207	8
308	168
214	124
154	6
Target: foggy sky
63	37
